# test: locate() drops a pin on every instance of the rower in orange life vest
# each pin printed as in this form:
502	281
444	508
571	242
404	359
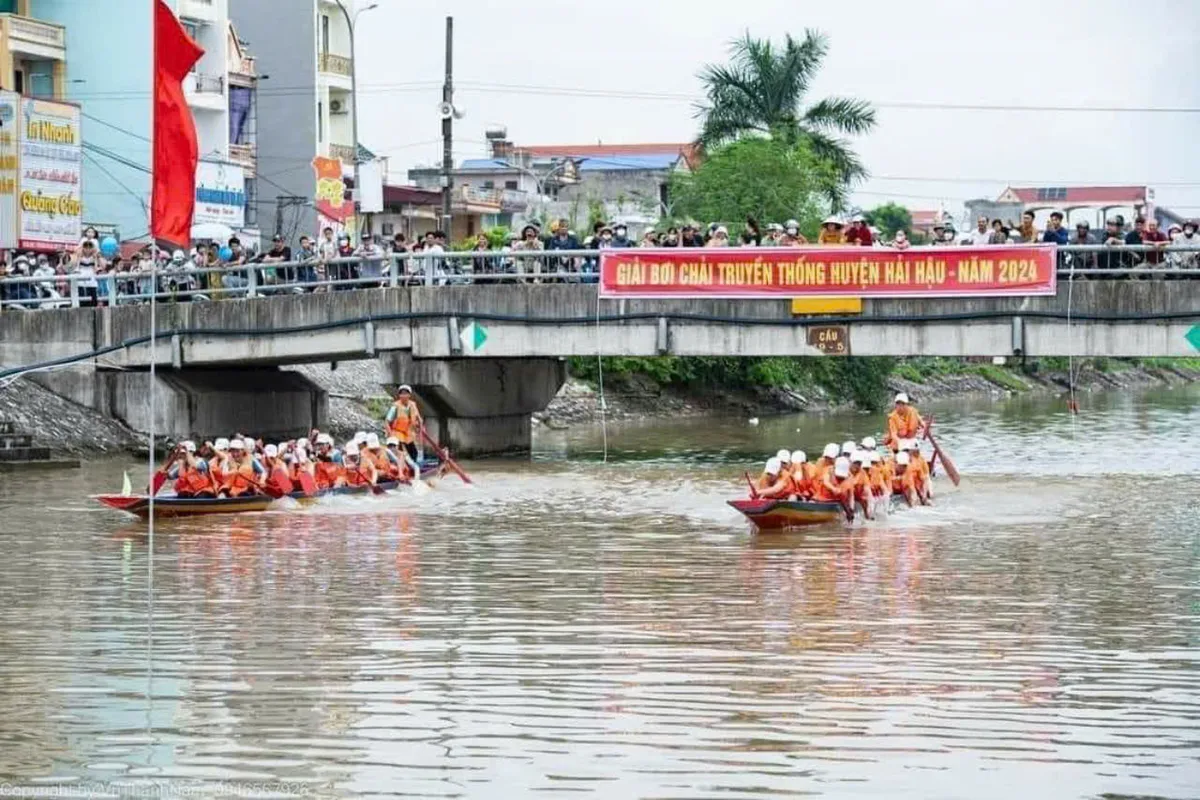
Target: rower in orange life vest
376	454
356	471
780	487
903	483
244	475
836	486
824	463
404	420
903	423
278	477
190	473
861	480
881	478
218	463
769	479
802	475
920	469
328	468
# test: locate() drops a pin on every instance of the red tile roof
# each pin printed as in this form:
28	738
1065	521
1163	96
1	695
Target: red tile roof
411	195
1080	195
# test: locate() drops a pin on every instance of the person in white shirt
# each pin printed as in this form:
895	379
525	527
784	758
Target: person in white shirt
981	236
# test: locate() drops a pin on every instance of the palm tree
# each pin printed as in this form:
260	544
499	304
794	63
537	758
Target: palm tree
761	90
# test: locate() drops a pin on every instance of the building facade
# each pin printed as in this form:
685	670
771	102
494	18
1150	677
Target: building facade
306	110
112	84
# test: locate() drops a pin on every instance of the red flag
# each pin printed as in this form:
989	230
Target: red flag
176	150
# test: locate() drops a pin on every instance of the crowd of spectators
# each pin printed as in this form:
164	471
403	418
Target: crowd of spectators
212	270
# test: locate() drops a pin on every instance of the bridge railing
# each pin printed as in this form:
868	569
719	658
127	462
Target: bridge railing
187	283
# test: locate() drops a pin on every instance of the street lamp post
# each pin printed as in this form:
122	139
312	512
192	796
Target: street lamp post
351	21
540	180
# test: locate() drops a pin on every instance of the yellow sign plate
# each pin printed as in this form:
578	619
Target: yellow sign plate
827	305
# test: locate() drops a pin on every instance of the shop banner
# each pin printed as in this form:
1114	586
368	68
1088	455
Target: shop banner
743	272
10	104
50	168
220	195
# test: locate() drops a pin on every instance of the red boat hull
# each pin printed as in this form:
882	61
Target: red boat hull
777	515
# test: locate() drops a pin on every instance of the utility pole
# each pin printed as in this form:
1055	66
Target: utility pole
448	128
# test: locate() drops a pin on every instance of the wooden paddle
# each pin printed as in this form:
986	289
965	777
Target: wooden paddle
444	455
750	483
160	477
307	482
938	452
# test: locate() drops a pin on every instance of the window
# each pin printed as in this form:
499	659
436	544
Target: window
19	81
511	185
489	185
251	202
191	29
320	121
388	228
324	33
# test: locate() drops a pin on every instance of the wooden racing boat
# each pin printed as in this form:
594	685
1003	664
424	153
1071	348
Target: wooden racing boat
775	515
172	506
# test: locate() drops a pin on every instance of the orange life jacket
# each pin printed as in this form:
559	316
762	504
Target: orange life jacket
404	426
903	423
242	481
327	474
192	482
831	489
357	476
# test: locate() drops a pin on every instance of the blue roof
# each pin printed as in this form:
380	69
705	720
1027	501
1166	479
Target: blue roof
589	163
485	163
620	162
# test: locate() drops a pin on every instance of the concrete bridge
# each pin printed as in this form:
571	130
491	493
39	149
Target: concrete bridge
484	357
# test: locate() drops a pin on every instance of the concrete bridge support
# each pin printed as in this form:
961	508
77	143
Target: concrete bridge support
477	406
200	404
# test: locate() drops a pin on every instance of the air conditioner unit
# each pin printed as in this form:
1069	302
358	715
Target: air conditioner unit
338	107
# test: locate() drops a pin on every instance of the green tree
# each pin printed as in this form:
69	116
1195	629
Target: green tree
889	218
763	178
762	90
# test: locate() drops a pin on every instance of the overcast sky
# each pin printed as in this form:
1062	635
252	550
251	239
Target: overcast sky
569	72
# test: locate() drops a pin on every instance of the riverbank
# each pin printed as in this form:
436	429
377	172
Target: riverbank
636	395
357	400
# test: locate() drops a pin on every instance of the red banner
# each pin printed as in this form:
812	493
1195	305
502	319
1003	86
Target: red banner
827	272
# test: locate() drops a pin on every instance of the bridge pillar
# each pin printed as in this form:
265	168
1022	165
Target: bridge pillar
477	406
202	404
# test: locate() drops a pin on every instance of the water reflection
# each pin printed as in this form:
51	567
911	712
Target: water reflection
614	630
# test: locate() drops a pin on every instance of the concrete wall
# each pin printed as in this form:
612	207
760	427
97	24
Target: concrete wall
282	36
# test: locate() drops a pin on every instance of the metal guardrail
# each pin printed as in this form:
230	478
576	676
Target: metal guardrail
429	269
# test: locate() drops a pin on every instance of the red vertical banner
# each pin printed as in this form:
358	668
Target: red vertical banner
176	150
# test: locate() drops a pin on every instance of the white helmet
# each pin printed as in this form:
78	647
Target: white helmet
848	448
841	467
237	444
868	443
784	456
188	447
902	459
325	438
901	398
791	223
773	466
372	440
861	457
303	443
360	437
393	440
351	449
301	455
875	457
178	257
832	451
221	445
271	451
799	457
